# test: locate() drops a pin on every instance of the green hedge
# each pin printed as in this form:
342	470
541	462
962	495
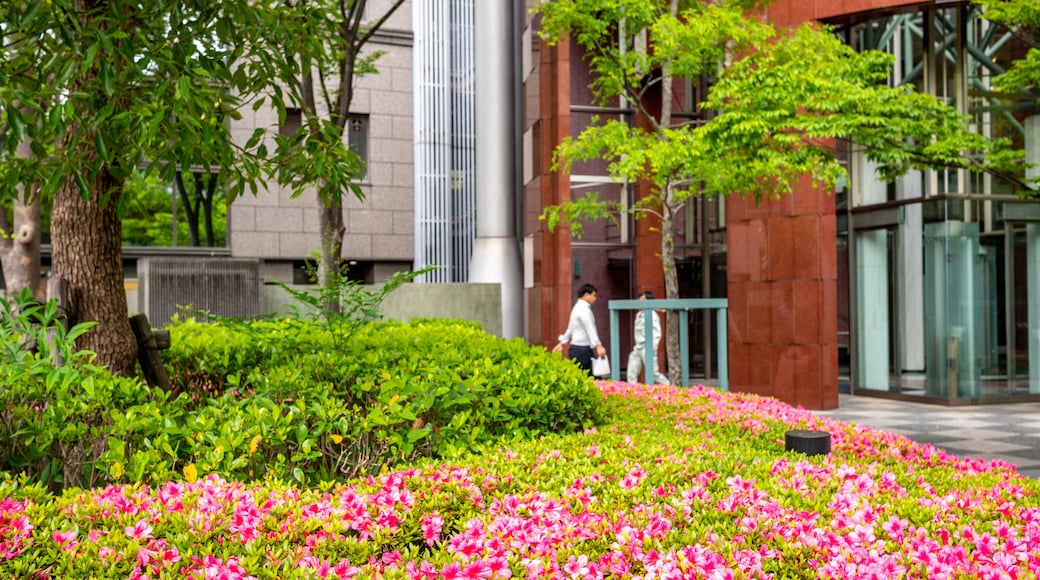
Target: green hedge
286	399
393	391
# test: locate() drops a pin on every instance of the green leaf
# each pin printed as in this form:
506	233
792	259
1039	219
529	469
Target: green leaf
30	12
81	183
17	123
102	148
106	78
91	54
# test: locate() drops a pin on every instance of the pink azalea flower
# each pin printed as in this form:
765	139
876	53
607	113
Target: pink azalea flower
61	537
476	571
452	571
431	528
424	571
345	571
139	531
577	567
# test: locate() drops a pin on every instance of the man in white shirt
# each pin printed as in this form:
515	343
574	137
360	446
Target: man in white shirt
581	331
635	358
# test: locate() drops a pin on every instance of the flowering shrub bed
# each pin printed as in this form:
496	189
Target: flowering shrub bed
688	484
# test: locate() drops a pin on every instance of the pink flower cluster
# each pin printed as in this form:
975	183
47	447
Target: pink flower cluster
629	500
15	529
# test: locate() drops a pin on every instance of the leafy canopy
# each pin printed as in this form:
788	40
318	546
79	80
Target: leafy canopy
121	85
778	100
1023	17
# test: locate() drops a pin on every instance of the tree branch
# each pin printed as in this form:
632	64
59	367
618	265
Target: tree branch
378	23
325	94
647	211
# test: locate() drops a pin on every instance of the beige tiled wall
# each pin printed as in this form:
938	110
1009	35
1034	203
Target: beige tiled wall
276	226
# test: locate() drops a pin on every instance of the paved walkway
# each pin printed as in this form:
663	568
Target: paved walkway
1008	431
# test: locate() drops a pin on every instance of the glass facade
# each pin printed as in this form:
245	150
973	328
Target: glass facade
944	265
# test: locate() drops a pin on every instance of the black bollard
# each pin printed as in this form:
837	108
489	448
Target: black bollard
808	442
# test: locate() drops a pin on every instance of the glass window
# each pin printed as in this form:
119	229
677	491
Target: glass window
356	130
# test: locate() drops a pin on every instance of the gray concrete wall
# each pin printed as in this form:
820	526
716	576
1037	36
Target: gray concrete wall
478	302
466	301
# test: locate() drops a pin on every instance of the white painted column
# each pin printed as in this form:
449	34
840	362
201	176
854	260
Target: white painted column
872	304
911	281
1032	145
496	253
872	307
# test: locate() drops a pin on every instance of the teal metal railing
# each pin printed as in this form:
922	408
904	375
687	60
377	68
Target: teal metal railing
683	306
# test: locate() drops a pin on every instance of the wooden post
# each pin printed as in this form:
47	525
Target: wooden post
148	352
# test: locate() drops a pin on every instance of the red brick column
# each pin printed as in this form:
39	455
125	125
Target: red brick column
553	250
782	277
648	274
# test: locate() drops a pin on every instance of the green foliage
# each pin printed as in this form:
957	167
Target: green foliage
780	107
1023	17
704	34
56	419
341	304
147	214
122	85
779	98
279	399
395	392
26	327
588	207
284	398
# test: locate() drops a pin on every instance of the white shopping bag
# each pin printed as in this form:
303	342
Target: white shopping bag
601	367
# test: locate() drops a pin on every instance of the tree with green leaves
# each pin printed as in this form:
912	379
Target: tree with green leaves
186	214
326	87
1022	17
777	101
94	91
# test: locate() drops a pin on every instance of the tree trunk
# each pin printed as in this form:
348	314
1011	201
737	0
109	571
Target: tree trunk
20	254
88	253
190	207
207	207
20	245
332	228
87	248
330	211
671	275
671	285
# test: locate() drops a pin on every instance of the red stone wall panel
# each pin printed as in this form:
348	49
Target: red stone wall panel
737	316
806	247
782	274
795	12
554	273
782	316
780	248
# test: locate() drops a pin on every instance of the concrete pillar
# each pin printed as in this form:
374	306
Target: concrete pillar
496	251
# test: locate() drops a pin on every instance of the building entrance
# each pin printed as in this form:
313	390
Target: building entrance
942	310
